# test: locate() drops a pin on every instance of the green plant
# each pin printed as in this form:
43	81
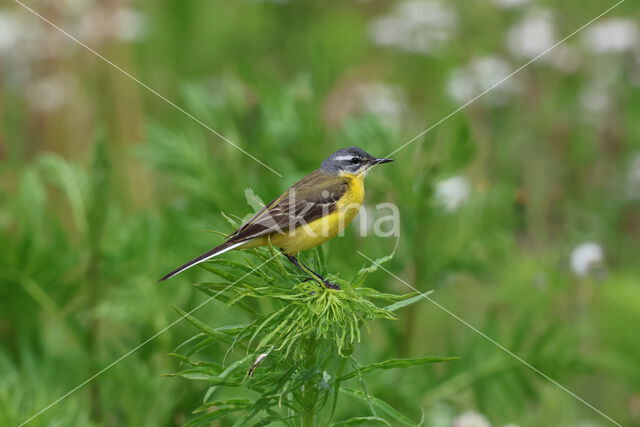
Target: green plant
294	356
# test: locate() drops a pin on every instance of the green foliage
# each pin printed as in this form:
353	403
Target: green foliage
292	355
90	219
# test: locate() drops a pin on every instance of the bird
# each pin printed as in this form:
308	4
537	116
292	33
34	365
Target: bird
312	211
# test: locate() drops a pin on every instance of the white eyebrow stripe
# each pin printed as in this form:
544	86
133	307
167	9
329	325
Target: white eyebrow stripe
349	157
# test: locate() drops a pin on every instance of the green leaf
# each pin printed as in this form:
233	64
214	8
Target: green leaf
396	364
188	341
234	224
188	361
213	333
271	419
228	372
230	277
400	304
321	262
231	265
211	289
253	199
380	404
204	374
361	420
229	402
206	342
73	182
210	416
365	271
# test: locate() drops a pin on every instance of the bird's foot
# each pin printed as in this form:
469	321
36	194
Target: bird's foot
330	285
327	284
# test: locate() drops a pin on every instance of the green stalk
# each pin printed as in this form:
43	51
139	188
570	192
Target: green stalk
310	393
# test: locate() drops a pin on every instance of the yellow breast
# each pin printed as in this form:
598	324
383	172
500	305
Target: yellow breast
319	231
355	192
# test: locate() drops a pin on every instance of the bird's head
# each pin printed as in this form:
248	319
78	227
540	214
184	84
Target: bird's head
351	160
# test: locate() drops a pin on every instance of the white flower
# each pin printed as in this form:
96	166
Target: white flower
452	193
586	257
386	102
123	24
596	99
508	4
24	39
471	419
481	74
533	35
564	57
130	25
415	26
50	93
612	35
9	30
324	382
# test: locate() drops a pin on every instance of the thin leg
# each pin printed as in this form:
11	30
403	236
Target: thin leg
309	271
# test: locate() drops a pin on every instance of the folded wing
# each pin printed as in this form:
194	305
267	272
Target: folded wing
307	200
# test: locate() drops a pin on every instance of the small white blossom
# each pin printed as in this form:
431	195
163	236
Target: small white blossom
324	382
386	102
24	38
50	93
415	26
471	419
564	57
596	99
508	4
130	25
481	74
586	258
612	35
532	36
122	24
452	193
9	30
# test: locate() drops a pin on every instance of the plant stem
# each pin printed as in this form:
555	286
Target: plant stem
308	418
310	393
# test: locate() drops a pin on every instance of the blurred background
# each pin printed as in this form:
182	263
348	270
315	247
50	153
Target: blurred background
522	211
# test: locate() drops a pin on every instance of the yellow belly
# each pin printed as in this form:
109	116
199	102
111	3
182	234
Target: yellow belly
322	229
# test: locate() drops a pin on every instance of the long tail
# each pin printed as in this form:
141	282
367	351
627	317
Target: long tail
227	246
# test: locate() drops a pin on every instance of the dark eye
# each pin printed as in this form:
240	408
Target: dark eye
355	160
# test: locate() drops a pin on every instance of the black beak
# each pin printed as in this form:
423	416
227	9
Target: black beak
380	161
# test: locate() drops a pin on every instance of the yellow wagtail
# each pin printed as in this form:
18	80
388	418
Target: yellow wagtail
312	211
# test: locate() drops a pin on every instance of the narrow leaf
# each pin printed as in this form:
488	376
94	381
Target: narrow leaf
400	304
380	404
397	364
362	420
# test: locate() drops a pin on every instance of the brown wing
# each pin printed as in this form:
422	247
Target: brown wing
307	200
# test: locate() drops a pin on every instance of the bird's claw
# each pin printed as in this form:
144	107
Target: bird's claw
327	284
330	285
